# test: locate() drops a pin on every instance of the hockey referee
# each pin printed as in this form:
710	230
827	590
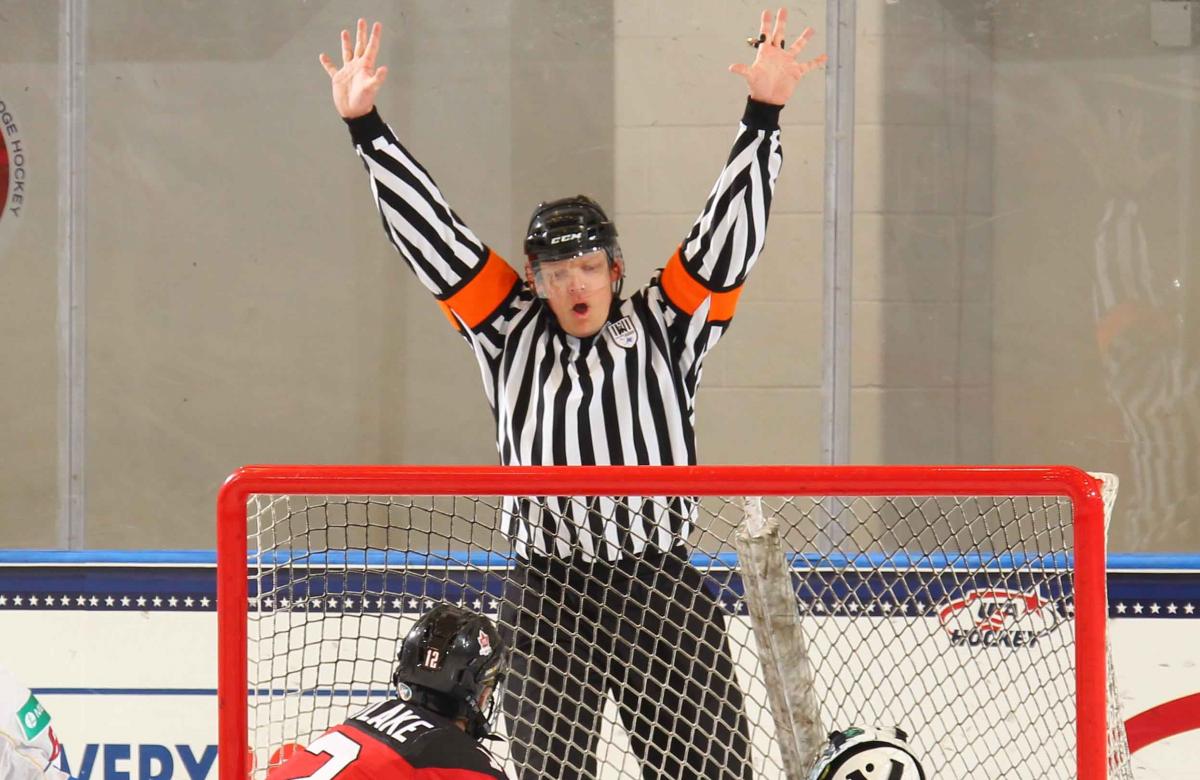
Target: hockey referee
602	599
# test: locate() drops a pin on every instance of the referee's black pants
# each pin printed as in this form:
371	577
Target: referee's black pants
645	630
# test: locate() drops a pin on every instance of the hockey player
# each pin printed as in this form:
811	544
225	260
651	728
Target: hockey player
28	748
449	666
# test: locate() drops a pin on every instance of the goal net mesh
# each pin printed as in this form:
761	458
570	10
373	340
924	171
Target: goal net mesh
950	617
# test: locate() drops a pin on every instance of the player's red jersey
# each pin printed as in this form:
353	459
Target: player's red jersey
392	740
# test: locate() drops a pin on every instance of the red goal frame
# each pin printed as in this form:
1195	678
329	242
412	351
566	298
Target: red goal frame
1082	490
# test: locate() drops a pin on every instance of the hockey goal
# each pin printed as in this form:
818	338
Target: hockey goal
965	605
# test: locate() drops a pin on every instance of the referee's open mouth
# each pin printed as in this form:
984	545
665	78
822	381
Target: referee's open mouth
580	309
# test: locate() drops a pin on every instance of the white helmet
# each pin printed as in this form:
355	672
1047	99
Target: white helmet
867	754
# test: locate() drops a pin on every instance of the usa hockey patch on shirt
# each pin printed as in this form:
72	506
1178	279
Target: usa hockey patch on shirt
623	333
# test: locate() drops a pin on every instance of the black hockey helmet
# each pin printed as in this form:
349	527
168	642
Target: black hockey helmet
447	660
569	227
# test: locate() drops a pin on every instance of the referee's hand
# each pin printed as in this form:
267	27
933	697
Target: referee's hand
775	72
357	81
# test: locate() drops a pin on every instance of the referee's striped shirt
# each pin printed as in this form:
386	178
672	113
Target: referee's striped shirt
626	396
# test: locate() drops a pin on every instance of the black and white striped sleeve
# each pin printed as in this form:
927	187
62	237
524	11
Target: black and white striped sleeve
712	263
470	282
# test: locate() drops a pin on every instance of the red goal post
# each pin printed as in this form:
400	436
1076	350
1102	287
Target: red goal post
1083	492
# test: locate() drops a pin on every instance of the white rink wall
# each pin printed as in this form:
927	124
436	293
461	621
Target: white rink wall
132	689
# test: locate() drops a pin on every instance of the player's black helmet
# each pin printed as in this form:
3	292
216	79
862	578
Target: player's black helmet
569	227
447	660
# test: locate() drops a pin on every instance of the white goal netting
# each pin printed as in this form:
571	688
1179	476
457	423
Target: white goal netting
952	617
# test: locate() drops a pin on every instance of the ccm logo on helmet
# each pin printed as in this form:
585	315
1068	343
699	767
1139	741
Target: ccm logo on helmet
566	237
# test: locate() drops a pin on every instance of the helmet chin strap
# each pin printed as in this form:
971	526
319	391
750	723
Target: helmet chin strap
613	259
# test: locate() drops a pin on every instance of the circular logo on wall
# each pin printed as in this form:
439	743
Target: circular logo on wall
12	166
3	174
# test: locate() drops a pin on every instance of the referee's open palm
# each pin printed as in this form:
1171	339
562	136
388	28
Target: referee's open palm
775	72
357	81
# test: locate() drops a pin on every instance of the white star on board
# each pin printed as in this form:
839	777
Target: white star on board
1172	609
172	601
156	601
3	601
79	602
33	601
141	601
18	600
332	601
204	601
428	603
1137	609
1155	609
93	601
1120	608
412	603
109	601
478	604
397	603
65	601
189	601
267	602
1188	608
348	603
853	606
285	603
888	606
124	601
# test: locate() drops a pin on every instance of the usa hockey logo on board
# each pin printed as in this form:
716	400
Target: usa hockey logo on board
998	617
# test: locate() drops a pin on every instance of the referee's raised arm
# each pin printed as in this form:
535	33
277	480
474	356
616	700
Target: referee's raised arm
467	278
714	259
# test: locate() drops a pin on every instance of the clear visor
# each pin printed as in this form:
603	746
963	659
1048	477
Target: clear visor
577	275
